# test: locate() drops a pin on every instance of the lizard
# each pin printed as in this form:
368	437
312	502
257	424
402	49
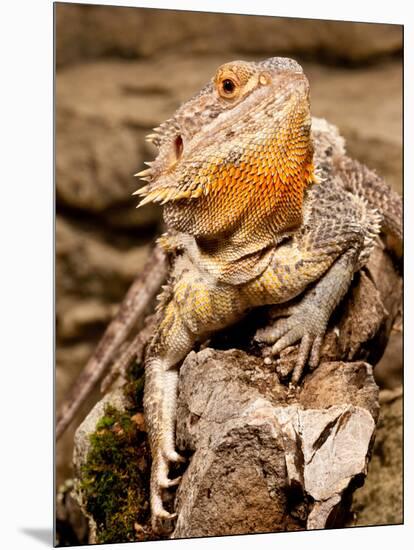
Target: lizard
258	212
262	207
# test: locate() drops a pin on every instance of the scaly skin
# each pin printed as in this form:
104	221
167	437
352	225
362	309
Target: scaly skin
251	224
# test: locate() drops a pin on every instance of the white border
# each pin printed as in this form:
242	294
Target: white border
26	233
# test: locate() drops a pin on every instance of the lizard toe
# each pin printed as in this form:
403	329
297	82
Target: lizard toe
161	522
315	352
166	482
173	456
303	355
173	482
289	337
161	519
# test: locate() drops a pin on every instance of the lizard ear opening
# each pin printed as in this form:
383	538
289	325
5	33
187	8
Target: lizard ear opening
178	147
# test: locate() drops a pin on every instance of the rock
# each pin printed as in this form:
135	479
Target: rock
116	399
80	319
82	447
70	359
389	370
89	267
266	457
334	383
88	32
380	500
94	161
71	524
112	472
144	219
265	460
238	379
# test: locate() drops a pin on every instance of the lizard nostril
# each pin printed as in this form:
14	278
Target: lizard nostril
179	146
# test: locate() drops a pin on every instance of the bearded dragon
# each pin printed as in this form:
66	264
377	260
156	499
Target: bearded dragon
256	216
262	206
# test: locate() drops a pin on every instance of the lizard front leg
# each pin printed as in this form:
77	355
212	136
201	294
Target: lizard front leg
170	345
190	308
307	320
329	250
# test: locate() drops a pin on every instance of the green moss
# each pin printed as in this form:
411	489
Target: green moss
134	387
105	422
115	478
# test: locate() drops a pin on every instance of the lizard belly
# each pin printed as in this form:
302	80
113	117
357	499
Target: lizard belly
205	305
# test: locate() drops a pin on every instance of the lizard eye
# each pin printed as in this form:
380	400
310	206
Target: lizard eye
227	88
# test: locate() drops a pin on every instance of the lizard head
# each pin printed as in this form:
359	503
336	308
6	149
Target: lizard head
239	152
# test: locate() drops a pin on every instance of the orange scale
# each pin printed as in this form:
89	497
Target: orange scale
235	171
241	180
249	171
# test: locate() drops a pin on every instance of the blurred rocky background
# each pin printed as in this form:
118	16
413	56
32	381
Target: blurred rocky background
120	72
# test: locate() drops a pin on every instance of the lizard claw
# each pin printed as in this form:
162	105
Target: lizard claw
167	482
162	519
173	456
306	323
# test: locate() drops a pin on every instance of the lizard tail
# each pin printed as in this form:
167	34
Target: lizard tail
361	181
139	295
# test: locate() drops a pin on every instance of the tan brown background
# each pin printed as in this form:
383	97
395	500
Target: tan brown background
121	71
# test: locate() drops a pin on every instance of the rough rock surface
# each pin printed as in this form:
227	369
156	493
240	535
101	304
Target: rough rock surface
265	460
380	500
115	399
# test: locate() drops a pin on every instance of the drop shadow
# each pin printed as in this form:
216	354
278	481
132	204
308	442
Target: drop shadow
43	535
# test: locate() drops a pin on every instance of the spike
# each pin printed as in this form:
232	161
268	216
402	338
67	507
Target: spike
141	190
164	196
143	173
172	195
145	200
